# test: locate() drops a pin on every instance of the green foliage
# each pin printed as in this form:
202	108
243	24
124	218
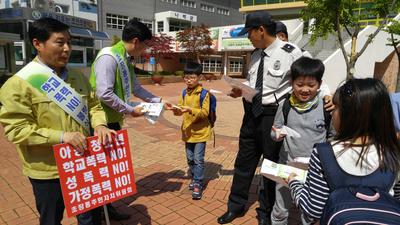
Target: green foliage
331	15
394	28
179	73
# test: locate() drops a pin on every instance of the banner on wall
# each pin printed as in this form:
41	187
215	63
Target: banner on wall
104	174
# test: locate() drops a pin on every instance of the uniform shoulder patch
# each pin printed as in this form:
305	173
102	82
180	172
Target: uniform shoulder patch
288	48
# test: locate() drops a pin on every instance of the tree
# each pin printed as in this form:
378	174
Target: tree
195	41
394	29
159	46
337	16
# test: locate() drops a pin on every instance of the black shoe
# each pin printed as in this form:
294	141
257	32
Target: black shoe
229	217
114	215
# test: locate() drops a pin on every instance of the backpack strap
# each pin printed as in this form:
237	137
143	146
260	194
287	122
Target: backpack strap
336	177
202	96
329	165
286	109
183	93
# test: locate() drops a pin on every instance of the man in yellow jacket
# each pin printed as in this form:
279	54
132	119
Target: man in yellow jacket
44	105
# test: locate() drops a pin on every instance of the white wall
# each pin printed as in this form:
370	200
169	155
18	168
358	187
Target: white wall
295	30
377	51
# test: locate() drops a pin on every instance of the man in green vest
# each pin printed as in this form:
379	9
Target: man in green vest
114	80
44	105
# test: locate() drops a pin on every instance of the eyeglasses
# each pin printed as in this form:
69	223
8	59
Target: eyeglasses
190	77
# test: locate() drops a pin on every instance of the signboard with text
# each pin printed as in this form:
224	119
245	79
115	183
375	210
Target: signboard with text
102	175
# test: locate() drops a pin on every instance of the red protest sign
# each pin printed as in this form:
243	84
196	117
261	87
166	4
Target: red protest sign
102	175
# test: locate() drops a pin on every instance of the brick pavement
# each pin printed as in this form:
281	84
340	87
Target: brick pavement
160	171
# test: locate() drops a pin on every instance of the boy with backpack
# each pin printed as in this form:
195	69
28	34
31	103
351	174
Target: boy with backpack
195	105
303	111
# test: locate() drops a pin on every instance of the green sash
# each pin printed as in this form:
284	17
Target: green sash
47	82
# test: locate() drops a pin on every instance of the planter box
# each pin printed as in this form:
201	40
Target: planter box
166	79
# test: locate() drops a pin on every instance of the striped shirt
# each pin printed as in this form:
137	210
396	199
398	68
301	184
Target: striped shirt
312	196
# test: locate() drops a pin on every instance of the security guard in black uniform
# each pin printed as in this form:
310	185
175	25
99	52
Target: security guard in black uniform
268	68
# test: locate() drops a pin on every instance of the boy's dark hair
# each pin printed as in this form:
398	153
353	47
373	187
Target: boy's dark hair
42	29
305	66
193	68
365	112
135	29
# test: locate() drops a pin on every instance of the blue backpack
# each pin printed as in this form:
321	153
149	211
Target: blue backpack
357	199
212	114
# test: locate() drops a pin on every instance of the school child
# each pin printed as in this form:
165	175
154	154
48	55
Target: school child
196	127
365	153
303	111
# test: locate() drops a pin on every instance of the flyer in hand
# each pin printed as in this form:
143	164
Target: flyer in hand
247	91
279	172
102	175
152	111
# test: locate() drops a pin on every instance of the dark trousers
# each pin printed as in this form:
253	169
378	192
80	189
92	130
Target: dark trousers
50	204
254	141
49	201
112	126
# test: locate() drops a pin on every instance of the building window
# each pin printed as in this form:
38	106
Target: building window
235	65
207	8
187	3
182	60
211	65
116	21
3	63
18	53
90	56
160	26
140	60
223	11
148	23
177	25
76	57
170	1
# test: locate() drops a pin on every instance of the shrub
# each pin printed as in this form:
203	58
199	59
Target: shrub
179	73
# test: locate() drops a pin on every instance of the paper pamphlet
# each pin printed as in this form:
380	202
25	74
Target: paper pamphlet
300	162
213	91
176	107
279	172
152	111
247	91
289	132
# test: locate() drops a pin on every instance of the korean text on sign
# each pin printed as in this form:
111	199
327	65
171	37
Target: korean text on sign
102	175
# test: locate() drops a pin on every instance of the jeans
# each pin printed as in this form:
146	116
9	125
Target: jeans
195	157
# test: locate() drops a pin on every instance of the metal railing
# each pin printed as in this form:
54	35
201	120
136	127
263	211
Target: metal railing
245	3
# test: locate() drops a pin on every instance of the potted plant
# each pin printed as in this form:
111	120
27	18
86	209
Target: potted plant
157	78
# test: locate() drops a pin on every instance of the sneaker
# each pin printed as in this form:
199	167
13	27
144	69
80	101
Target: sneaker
197	191
191	185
